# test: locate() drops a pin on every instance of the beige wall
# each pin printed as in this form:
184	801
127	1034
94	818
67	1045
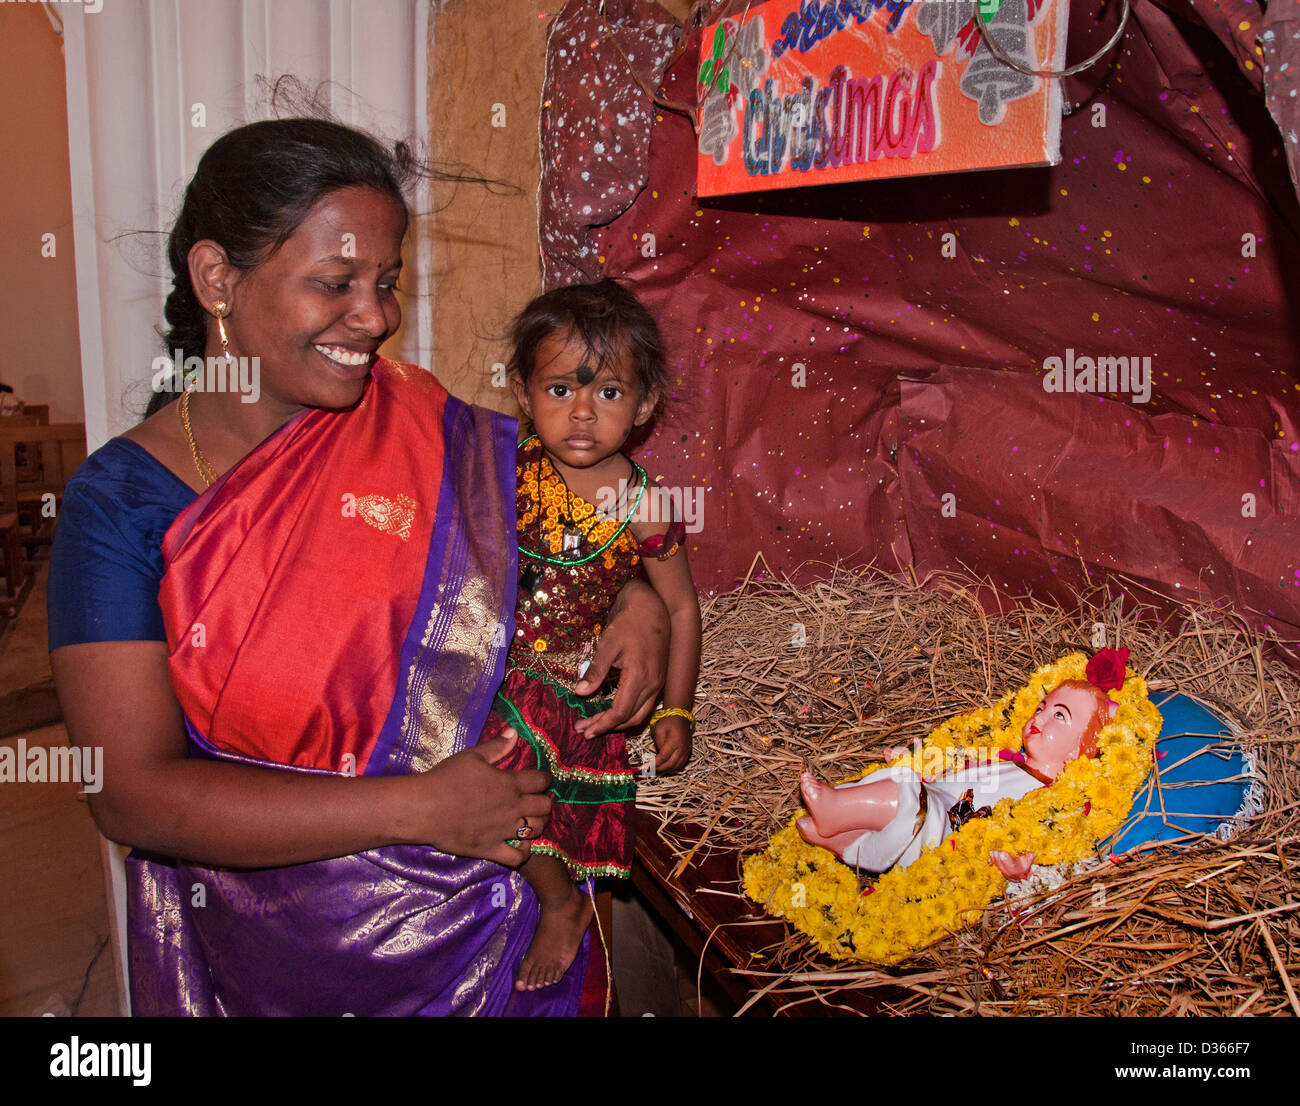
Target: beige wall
39	352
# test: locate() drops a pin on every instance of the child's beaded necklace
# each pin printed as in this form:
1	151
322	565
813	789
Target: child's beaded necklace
572	534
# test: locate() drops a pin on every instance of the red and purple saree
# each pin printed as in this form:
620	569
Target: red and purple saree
340	602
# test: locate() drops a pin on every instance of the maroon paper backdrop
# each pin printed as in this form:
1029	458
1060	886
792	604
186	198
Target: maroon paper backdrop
923	373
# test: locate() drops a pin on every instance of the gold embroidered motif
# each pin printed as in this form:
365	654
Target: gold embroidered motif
468	639
561	668
391	516
463	638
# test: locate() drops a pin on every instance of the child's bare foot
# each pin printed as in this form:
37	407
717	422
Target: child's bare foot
557	940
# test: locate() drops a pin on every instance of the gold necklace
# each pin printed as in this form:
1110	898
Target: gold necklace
206	471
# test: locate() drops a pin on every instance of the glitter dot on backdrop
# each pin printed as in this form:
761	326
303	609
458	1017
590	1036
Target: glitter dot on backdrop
843	390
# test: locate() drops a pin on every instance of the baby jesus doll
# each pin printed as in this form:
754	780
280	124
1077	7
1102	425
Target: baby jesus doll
889	817
1064	757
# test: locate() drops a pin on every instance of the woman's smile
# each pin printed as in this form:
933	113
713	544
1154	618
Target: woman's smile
341	356
351	365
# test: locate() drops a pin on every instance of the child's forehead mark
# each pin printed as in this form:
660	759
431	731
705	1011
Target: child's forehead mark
581	374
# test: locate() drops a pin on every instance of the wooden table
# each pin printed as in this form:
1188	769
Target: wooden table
701	907
704	921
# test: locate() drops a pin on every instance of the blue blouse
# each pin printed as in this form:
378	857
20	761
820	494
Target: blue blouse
107	562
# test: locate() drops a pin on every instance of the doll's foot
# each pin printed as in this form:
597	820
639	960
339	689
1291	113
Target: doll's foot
814	794
837	842
1013	867
857	807
829	818
556	942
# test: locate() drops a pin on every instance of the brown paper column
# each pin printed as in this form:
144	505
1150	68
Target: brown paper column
485	83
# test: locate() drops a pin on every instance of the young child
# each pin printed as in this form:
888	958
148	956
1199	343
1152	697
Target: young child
587	367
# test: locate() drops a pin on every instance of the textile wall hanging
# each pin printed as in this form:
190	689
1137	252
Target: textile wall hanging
1035	373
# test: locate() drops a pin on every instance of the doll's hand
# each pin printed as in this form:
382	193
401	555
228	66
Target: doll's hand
672	738
1013	867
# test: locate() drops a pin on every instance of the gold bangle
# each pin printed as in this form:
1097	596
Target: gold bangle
668	712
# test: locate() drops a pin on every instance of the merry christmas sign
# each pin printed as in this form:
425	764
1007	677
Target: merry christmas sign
801	92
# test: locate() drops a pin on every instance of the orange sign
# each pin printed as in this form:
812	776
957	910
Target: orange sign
801	92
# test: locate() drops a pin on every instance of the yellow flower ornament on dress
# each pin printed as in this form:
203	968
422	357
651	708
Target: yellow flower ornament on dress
951	882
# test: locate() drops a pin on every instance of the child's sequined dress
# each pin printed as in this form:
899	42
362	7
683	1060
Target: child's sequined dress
564	594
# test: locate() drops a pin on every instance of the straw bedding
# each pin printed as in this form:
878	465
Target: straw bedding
824	674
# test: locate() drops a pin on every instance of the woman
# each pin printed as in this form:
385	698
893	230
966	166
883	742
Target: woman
297	677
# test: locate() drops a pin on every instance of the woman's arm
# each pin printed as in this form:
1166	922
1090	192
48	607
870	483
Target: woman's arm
635	641
116	695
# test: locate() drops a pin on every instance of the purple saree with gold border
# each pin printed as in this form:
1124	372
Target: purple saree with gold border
341	602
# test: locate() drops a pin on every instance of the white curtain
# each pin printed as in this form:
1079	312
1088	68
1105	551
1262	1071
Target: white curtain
136	71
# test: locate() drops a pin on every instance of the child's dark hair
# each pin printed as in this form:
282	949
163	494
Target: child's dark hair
605	317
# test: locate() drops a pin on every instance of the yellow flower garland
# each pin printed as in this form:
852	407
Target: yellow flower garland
949	884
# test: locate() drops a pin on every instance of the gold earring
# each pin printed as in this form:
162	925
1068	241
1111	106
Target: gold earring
221	309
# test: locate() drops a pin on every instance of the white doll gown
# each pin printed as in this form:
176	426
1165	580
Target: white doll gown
897	844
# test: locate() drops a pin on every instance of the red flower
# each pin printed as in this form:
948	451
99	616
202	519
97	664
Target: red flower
1106	669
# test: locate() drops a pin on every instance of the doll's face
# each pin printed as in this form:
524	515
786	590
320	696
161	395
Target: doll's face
1054	735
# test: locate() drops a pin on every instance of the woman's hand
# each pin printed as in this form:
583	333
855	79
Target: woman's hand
475	808
635	641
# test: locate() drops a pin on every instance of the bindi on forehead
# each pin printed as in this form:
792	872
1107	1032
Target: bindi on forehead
567	364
